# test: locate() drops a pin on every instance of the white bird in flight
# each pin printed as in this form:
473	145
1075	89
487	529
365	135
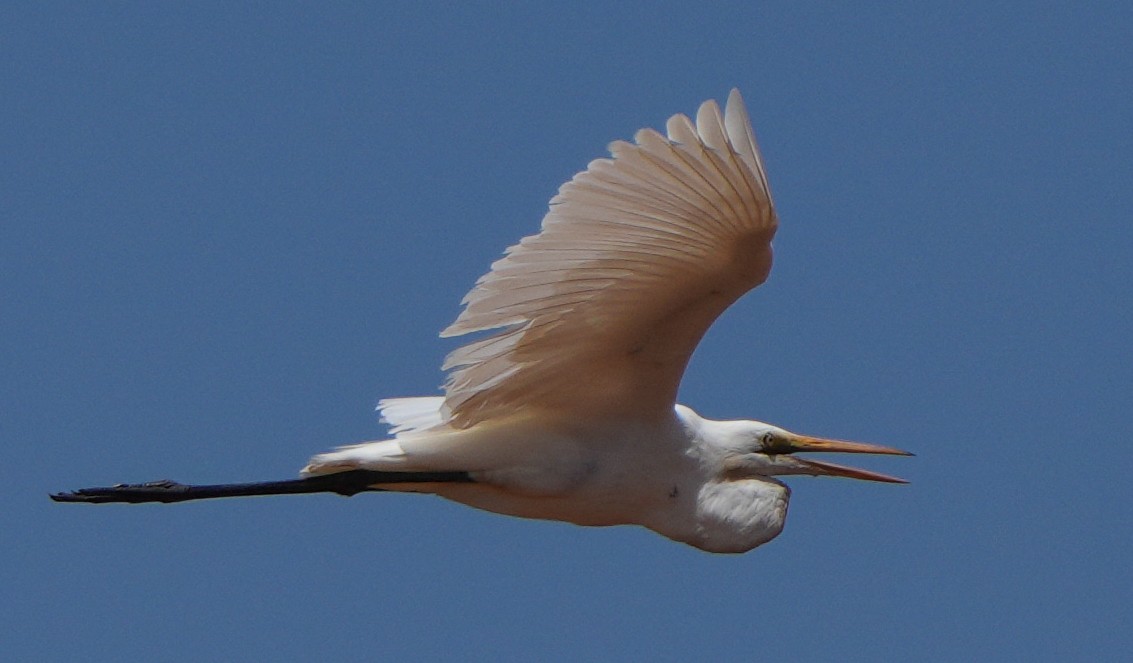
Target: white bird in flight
568	411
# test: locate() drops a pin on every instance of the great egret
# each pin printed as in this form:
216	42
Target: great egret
568	412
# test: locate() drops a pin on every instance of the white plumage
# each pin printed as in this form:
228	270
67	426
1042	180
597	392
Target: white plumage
568	411
637	256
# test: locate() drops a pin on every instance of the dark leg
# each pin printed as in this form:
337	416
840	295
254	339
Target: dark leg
344	483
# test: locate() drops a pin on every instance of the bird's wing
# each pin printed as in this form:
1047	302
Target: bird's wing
405	416
600	311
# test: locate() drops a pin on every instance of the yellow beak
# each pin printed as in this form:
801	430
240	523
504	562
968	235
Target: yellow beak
820	468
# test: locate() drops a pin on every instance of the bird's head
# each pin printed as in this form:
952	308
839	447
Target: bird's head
753	448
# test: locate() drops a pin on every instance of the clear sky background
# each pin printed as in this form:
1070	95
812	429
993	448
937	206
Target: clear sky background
228	229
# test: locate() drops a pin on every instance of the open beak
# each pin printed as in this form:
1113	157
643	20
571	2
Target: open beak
820	468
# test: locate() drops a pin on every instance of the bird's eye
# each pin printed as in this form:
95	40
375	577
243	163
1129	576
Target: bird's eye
768	439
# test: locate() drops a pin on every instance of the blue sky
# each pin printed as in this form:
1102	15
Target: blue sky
228	230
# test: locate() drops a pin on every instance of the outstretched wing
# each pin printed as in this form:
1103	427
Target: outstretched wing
600	312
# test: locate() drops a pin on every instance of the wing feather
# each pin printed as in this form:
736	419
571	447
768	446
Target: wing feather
408	415
600	311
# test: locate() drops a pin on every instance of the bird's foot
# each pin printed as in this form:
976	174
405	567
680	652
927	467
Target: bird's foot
150	491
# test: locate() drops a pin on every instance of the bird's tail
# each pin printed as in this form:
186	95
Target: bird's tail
385	455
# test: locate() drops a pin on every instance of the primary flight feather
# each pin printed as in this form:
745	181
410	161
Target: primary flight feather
637	256
568	410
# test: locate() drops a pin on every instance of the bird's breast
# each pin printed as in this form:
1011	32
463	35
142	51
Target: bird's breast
733	516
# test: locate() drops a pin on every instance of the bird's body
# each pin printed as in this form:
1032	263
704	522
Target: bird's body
568	411
661	473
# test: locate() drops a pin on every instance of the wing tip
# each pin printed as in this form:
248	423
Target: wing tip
741	135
